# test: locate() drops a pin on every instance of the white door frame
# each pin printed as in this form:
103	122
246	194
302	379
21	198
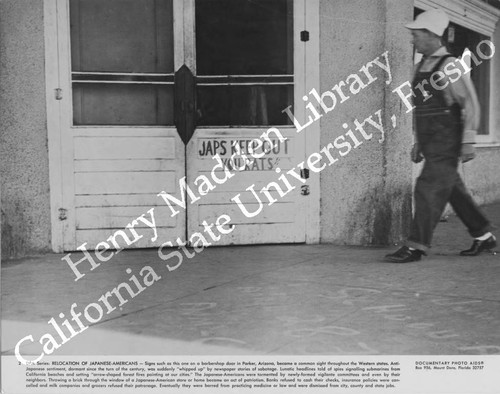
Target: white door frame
313	140
56	139
59	159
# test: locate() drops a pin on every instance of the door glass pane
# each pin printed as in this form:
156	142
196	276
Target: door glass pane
242	37
133	36
237	39
243	105
120	104
122	62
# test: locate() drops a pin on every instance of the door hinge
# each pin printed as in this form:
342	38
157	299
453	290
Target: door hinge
304	35
63	214
58	92
304	173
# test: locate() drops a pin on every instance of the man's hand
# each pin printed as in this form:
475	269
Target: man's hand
416	155
467	153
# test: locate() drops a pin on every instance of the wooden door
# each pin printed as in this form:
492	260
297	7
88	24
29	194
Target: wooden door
120	148
248	58
114	69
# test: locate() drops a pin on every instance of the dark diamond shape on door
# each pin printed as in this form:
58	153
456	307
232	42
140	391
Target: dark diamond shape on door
185	103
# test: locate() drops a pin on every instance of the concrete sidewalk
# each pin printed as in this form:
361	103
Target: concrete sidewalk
286	299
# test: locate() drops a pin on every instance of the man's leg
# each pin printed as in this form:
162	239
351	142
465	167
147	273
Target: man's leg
474	219
432	191
468	211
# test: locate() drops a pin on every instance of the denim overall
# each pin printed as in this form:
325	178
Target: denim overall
439	134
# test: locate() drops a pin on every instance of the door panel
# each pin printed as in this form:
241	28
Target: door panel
245	57
114	148
124	147
94	236
117	179
283	221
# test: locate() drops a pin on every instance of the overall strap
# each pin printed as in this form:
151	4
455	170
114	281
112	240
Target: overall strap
440	63
436	67
437	104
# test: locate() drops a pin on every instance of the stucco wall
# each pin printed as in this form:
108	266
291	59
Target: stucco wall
23	138
366	196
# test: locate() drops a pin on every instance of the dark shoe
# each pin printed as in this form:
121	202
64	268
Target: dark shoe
404	255
479	246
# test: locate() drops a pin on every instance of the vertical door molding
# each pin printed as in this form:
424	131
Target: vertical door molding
65	124
184	35
300	89
55	93
313	140
53	125
190	35
178	34
306	17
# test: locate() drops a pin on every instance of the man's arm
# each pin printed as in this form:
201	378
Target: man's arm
462	92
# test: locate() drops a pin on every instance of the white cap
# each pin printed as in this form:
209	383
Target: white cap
433	20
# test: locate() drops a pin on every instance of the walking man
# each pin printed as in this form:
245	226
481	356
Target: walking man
446	120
